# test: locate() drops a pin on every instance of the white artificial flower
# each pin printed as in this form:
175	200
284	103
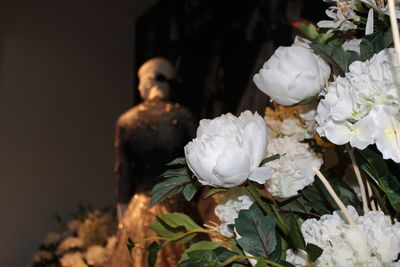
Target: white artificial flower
362	108
293	171
74	259
228	150
69	243
42	255
373	242
343	18
96	255
51	238
228	208
292	74
299	258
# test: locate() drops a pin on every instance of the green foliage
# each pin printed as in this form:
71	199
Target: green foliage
257	232
175	227
313	251
270	158
311	32
374	43
153	249
201	258
214	191
177	180
295	233
202	245
177	161
375	166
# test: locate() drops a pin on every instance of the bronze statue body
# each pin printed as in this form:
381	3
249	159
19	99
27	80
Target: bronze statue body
147	137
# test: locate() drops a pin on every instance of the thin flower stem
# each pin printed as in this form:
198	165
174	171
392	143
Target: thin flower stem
370	195
395	28
360	181
335	197
266	208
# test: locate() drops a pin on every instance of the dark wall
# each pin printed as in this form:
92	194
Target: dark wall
66	73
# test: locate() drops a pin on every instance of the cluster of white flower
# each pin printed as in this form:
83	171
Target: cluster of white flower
362	108
293	171
228	208
343	17
293	74
228	150
373	242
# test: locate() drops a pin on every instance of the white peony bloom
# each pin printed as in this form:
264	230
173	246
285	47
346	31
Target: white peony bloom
293	171
69	243
343	17
74	259
51	238
42	255
228	150
96	255
228	208
292	74
373	242
362	108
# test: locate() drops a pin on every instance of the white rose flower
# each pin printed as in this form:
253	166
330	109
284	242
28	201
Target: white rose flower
362	108
292	74
74	259
293	171
373	242
96	255
228	150
228	208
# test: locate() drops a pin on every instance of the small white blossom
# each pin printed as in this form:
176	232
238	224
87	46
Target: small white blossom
293	171
362	108
96	255
74	259
69	243
373	242
343	18
228	208
42	255
352	45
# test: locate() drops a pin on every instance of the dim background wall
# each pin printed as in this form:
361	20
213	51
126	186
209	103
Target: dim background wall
65	75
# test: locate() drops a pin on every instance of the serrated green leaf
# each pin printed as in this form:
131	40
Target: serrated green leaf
374	43
168	188
153	249
313	251
214	191
177	161
295	233
257	233
202	245
376	168
190	190
173	226
201	258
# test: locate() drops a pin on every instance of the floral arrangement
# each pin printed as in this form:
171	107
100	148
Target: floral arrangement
315	182
85	241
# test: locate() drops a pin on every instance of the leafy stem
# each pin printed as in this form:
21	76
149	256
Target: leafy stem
239	257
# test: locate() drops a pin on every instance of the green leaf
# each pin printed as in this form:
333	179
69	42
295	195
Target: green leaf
376	168
257	232
261	263
374	43
311	32
214	191
174	225
153	249
313	251
168	188
130	246
177	161
295	233
202	245
271	158
190	190
201	258
223	253
286	264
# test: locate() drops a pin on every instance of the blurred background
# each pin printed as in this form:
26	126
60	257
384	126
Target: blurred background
68	70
